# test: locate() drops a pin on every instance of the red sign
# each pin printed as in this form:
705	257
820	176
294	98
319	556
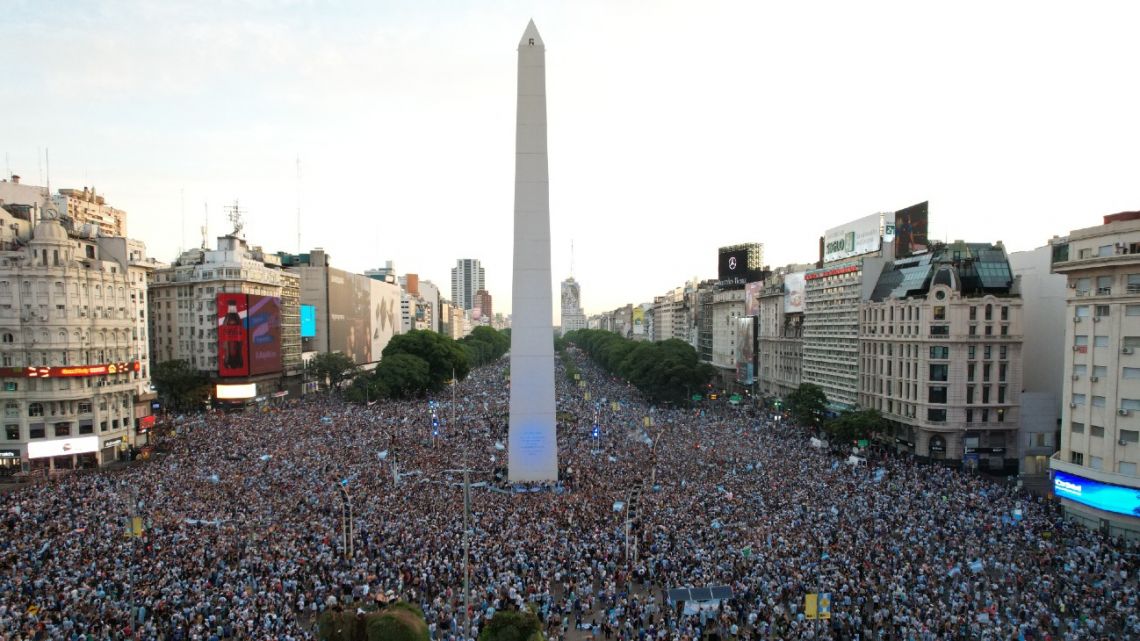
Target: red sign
233	339
70	371
146	422
831	272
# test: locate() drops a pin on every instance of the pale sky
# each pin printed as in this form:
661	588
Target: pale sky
674	127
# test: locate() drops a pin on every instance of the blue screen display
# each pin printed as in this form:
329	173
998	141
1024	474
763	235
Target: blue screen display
308	321
1102	496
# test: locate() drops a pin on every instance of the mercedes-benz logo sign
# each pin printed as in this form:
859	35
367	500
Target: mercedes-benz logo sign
732	262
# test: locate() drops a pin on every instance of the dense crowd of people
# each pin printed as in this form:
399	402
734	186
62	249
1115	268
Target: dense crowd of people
241	533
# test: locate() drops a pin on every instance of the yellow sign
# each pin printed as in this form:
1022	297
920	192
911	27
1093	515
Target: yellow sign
577	377
135	527
587	397
825	605
581	383
615	406
810	605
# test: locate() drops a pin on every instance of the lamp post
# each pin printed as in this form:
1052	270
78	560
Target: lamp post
345	516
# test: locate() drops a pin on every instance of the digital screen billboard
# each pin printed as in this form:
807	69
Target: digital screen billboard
233	340
385	318
308	321
364	314
752	298
732	266
264	321
910	229
1102	496
745	350
794	286
857	237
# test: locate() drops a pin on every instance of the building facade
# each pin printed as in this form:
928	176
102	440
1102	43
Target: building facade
184	311
467	277
72	354
779	334
85	207
940	354
486	306
727	309
1100	418
572	317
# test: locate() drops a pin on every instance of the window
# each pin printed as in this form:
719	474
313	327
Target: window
36	430
1078	428
1082	311
1041	439
1098	401
973	313
1102	311
970	371
970	395
939	313
973	352
1132	372
1003	352
1079	399
1081	341
1100	341
989	312
1080	370
1126	468
1096	462
937	395
1077	457
1001	415
63	429
973	330
986	372
1001	371
85	407
1132	310
939	351
1083	285
939	330
8	337
1005	312
936	415
1130	436
1100	370
1134	283
1130	404
12	432
1131	341
989	330
969	416
988	352
985	416
985	393
1096	430
1001	393
1104	285
939	372
36	409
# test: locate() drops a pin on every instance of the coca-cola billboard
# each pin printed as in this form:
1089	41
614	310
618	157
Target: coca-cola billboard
233	335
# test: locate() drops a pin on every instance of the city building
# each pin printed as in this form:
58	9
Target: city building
670	316
356	315
208	290
727	308
484	305
1095	471
429	303
940	354
467	277
73	355
15	192
572	316
85	207
779	310
1043	304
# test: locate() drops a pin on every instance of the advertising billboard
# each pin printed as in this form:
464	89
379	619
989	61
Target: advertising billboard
264	321
857	237
752	298
386	320
910	230
1102	496
235	392
732	266
70	371
794	292
233	343
63	447
308	321
745	350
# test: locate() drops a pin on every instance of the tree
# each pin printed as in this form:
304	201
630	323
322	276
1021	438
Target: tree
332	367
402	375
807	404
664	371
485	345
512	625
854	425
442	354
398	622
183	386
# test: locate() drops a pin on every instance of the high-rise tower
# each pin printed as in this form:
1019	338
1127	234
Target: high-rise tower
533	445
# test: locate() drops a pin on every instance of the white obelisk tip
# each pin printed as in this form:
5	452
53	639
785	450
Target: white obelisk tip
530	37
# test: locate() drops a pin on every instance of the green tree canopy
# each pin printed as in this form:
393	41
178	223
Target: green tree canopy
442	354
403	375
183	386
512	625
664	371
332	367
398	622
485	345
854	425
807	404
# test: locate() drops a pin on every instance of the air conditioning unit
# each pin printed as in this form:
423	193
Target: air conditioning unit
1072	405
1123	412
1094	378
1122	442
1076	377
1125	350
1076	319
1076	347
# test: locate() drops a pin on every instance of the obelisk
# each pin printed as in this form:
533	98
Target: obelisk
533	444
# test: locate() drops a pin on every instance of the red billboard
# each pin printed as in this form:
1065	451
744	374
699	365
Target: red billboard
233	339
69	371
264	322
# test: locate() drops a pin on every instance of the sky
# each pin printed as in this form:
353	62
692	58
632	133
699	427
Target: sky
674	127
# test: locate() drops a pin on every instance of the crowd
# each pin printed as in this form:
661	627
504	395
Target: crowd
241	531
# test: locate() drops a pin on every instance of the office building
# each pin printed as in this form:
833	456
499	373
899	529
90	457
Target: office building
467	277
779	311
573	318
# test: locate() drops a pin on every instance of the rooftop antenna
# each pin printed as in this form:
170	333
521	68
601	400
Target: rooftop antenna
7	166
205	222
182	206
298	204
571	258
233	212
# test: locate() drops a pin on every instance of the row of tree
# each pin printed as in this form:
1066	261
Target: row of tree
402	621
666	371
808	406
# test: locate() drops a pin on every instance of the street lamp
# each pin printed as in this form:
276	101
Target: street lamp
345	516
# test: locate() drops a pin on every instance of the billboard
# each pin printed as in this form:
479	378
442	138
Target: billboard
235	392
1102	496
752	298
308	321
364	314
70	371
857	237
910	230
264	322
571	295
732	266
794	292
63	447
386	320
639	321
745	350
233	343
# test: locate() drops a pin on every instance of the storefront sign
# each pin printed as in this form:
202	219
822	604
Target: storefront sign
146	422
1103	496
63	447
70	371
835	271
9	454
112	442
996	451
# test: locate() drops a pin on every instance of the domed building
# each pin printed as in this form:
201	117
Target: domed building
73	356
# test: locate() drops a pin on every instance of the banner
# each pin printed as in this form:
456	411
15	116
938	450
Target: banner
264	334
233	341
910	229
861	236
745	350
752	298
794	292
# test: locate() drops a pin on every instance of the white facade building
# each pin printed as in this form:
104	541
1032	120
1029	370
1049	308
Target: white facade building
572	316
467	277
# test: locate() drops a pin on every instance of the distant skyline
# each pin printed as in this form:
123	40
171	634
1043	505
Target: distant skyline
674	127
